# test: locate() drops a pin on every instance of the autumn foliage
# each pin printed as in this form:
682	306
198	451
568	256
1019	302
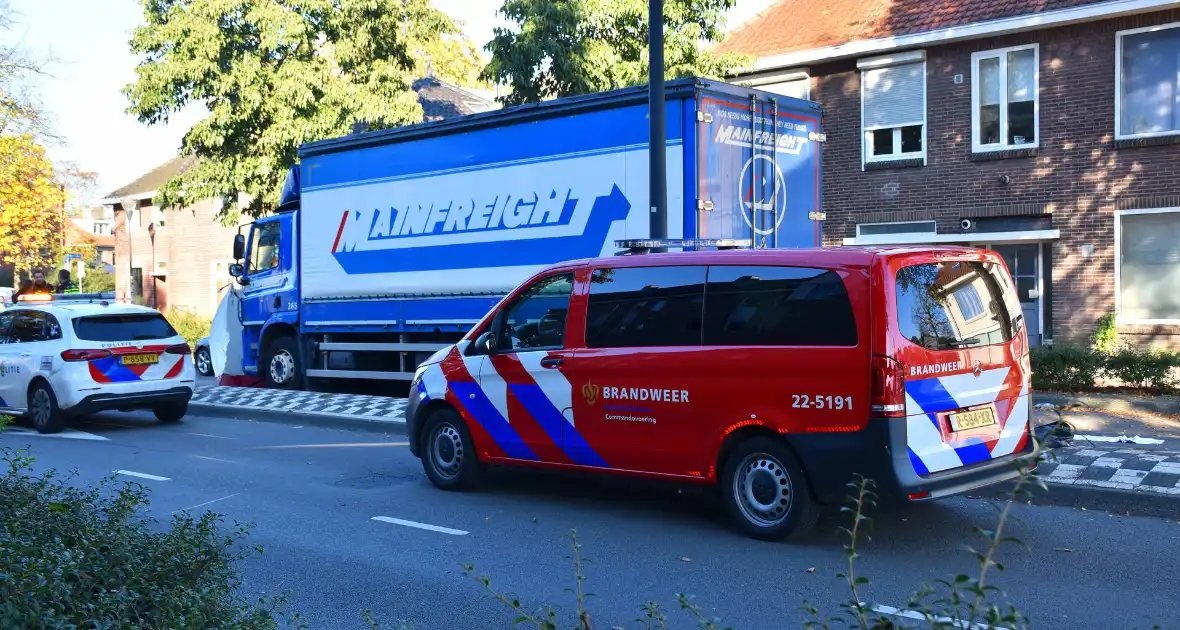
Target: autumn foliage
32	218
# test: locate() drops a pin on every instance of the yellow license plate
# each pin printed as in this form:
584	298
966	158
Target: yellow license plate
140	359
972	419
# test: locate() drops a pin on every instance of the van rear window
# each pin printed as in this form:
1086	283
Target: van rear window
955	305
134	327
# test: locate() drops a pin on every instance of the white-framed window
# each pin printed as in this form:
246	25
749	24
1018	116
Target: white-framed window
896	227
1147	266
1005	86
893	106
1147	82
970	304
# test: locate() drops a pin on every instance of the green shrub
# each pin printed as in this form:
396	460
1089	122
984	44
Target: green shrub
190	326
1106	334
77	558
1143	368
97	280
1065	368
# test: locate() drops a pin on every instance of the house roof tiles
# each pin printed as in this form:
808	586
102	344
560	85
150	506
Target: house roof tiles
794	25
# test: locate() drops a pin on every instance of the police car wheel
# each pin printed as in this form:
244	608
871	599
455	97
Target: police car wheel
448	454
170	413
765	491
43	412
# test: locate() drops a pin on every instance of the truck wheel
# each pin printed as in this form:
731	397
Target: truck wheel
765	491
448	454
281	365
43	411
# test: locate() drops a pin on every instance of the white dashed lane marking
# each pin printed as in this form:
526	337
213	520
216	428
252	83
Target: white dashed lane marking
193	507
132	473
213	459
69	434
425	526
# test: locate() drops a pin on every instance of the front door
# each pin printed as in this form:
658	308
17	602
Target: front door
1024	261
265	275
9	355
22	354
527	398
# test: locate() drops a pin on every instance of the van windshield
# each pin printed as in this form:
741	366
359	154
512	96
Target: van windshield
955	305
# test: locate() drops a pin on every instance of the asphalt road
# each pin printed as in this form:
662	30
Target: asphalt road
314	492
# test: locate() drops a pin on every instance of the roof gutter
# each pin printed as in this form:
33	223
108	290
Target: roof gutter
991	28
139	196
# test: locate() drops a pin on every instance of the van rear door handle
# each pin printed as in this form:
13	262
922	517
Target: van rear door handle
550	362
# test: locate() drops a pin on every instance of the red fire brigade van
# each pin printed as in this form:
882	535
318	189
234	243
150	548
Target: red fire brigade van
776	374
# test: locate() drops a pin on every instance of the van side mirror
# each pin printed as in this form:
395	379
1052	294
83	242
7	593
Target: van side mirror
486	343
236	270
239	247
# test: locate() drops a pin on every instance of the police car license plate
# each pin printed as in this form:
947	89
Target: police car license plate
966	420
140	359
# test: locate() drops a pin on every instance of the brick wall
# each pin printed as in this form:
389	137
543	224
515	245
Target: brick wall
1079	175
134	248
197	240
190	243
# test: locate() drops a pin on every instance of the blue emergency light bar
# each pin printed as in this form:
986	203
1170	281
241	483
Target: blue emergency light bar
644	245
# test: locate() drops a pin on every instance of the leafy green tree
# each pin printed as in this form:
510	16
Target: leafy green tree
273	74
566	47
455	60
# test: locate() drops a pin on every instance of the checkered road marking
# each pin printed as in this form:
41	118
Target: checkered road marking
315	403
1156	472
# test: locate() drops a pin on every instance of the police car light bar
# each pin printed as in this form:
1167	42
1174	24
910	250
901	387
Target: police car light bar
67	297
646	244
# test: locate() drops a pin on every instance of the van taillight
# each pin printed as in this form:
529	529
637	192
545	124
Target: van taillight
84	355
888	392
180	348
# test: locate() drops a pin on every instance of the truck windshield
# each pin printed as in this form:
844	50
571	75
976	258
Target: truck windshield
955	305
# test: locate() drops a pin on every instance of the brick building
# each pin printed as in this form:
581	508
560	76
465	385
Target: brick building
1048	130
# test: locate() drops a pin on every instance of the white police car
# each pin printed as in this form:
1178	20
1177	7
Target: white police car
62	356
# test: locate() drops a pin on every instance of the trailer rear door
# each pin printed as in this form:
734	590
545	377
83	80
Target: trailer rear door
759	169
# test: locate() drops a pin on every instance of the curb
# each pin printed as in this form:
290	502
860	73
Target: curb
1128	502
1112	402
294	416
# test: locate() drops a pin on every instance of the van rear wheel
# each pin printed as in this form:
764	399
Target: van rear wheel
765	491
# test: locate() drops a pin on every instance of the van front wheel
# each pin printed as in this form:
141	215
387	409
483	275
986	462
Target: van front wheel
448	454
765	491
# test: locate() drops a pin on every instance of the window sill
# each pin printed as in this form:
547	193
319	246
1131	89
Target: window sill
899	163
1132	328
1006	154
1154	141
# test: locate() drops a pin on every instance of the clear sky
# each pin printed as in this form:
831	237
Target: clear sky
89	40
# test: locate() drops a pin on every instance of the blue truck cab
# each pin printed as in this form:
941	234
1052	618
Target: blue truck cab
389	245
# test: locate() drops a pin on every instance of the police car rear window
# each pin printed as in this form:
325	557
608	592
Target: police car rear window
132	327
955	305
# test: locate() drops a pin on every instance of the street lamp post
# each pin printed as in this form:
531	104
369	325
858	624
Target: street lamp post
657	152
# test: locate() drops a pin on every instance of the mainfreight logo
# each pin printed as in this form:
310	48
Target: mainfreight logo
504	212
736	136
543	228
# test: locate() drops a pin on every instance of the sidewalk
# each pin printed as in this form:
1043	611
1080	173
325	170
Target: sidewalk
278	402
